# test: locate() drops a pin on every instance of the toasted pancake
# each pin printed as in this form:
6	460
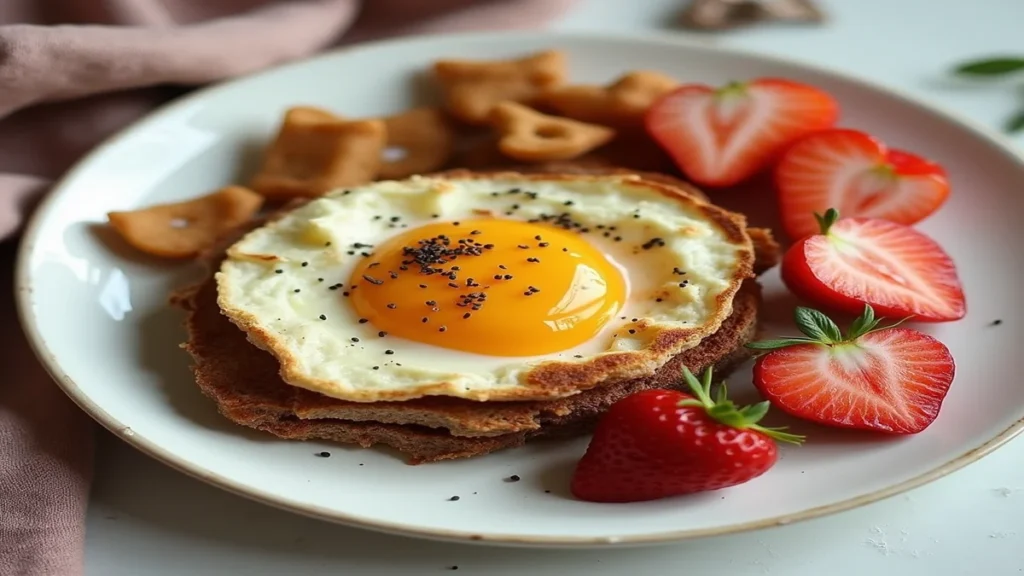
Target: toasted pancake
245	384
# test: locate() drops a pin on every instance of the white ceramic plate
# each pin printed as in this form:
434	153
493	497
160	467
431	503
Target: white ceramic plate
97	315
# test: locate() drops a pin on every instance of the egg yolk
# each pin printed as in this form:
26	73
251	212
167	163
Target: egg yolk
489	286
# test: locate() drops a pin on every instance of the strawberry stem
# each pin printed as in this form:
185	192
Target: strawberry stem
725	411
826	221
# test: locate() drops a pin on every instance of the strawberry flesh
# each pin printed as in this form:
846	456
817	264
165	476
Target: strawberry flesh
897	270
859	176
891	380
720	137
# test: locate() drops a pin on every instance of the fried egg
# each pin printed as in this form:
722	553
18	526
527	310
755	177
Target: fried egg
485	287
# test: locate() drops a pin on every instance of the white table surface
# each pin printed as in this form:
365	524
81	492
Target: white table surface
146	519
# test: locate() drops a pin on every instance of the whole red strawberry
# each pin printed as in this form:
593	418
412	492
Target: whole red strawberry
660	443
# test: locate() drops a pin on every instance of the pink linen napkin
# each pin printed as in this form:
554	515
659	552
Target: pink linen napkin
71	73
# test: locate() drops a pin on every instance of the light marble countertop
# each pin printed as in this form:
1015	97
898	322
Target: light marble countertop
146	519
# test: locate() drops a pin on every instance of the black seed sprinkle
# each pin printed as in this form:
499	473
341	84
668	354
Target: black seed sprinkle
319	279
683	284
565	249
351	252
324	454
578	356
507	276
497	276
996	322
523	246
466	315
278	271
513	478
345	294
389	352
658	299
375	368
382	334
631	331
568	203
323	317
364	254
423	285
392	306
453	499
435	215
372	280
431	303
453	285
502	266
377	217
653	242
396	218
455	223
543	245
297	290
677	271
617	238
354	339
424	320
534	260
442	329
537	237
304	264
327	244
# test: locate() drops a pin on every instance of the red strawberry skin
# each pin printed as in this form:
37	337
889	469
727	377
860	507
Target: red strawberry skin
897	270
722	136
892	381
646	447
859	176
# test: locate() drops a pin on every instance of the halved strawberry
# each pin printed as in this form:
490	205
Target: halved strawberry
887	379
859	176
660	443
722	136
899	271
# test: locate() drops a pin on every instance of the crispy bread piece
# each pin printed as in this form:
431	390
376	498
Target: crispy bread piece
244	383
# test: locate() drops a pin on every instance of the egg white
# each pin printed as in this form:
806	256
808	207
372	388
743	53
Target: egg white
275	281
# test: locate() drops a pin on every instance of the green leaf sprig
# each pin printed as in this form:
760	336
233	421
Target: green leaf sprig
725	411
996	67
818	328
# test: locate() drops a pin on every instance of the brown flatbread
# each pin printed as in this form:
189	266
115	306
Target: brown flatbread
244	383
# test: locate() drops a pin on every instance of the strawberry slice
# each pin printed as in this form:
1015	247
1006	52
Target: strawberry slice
856	174
722	136
885	379
660	443
899	271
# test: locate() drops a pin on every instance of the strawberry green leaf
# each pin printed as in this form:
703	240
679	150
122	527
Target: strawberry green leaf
817	326
1015	123
826	221
779	343
755	412
863	324
726	412
990	67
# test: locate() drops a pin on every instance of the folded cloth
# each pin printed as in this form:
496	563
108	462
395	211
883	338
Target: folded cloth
71	73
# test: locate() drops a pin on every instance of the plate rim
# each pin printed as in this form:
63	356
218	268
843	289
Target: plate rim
49	360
